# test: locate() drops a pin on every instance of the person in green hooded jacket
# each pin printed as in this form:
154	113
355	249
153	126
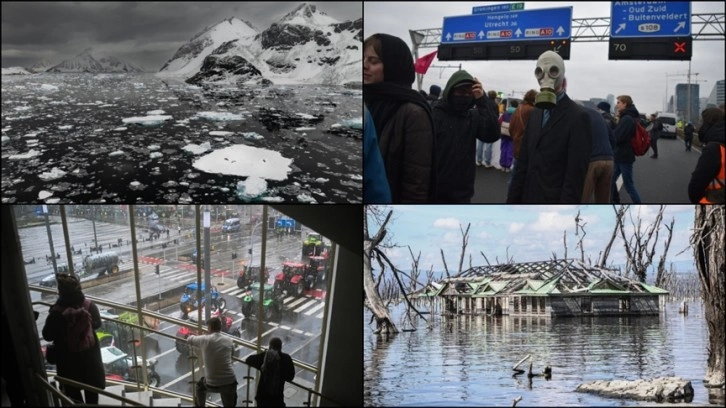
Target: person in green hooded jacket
462	115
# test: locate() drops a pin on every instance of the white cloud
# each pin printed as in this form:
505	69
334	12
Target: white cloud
484	235
447	223
516	227
552	221
452	238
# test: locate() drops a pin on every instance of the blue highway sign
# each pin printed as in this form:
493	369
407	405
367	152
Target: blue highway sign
497	8
541	24
650	19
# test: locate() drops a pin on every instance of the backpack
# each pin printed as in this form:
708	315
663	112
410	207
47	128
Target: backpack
641	139
79	328
271	380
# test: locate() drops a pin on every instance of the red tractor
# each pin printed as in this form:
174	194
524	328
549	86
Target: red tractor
291	279
317	269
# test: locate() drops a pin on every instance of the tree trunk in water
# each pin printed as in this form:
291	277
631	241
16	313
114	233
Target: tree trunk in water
708	247
384	324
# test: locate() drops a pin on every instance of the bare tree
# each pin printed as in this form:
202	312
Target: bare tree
619	214
640	248
415	273
661	264
707	241
464	243
580	227
384	324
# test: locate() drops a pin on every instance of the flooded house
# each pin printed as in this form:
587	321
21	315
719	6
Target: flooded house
563	287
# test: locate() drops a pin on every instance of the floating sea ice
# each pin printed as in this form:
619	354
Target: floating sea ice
321	180
275	199
27	155
135	185
304	129
156	112
220	133
355	123
153	147
53	174
251	188
306	198
252	136
65	127
243	160
43	194
220	116
148	120
22	108
120	129
155	155
305	116
47	87
100	130
117	153
5	139
197	149
31	134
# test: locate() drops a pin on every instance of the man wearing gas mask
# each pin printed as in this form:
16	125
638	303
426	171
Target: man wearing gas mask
557	143
458	126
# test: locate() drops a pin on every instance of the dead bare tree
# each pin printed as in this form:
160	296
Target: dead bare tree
640	248
464	243
485	258
580	227
384	323
414	269
446	268
707	241
662	262
619	214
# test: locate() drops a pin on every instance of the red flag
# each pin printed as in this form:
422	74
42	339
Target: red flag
423	63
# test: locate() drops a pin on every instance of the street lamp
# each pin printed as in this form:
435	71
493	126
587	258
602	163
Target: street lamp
50	238
207	223
251	234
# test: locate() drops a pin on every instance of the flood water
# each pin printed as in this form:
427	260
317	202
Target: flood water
468	360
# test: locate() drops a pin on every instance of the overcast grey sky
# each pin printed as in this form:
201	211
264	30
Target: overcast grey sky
143	33
589	72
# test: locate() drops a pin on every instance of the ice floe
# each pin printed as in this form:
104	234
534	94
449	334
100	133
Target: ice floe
65	127
43	194
153	147
27	155
156	155
150	120
120	129
197	149
252	136
243	160
220	116
117	153
156	112
53	174
251	188
48	87
220	133
5	139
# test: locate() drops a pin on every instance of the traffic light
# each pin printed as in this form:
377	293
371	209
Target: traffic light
234	255
157	269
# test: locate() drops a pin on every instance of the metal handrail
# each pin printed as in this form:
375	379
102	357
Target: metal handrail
87	387
56	392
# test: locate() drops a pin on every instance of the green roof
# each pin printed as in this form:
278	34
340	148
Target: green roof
654	289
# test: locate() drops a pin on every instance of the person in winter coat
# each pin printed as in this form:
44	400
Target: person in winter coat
434	93
506	147
707	180
688	135
655	129
557	142
484	150
604	109
517	126
375	183
402	118
84	366
276	368
623	154
600	170
458	126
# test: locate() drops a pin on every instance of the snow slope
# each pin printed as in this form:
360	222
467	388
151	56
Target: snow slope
88	61
15	71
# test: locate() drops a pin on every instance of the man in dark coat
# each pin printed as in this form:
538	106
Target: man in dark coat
276	367
655	129
557	143
458	126
623	155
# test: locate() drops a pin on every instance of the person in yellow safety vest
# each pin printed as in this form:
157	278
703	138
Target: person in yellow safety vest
708	179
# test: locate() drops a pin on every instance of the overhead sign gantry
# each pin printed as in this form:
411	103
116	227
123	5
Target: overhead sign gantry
650	30
508	35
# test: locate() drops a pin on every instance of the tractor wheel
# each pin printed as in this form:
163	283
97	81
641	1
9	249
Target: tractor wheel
114	269
268	313
300	288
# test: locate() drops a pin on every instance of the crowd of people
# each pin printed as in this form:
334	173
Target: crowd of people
425	148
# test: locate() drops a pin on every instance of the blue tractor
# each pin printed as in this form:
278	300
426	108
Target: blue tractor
189	301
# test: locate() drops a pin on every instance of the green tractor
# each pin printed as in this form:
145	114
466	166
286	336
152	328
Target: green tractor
114	333
271	305
313	245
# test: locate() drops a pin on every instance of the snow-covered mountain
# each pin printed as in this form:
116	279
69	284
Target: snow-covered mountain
305	46
87	62
41	66
15	71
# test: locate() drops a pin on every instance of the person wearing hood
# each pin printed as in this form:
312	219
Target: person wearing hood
458	126
623	155
402	118
688	135
604	109
557	142
707	180
434	93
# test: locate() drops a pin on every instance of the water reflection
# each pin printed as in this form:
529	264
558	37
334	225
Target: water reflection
468	360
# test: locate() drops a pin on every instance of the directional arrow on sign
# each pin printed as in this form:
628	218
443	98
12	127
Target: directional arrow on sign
448	36
518	32
620	28
560	30
481	34
680	25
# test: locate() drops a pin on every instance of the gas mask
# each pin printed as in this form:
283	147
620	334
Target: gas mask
550	74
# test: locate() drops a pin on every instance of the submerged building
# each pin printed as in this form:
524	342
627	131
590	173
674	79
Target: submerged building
563	287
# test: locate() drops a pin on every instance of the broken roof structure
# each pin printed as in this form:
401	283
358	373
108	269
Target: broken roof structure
548	287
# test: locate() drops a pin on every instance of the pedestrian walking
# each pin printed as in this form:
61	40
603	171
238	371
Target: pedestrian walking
707	180
600	170
484	150
557	142
604	109
458	126
506	147
402	118
434	93
276	367
517	126
217	350
655	128
71	326
688	135
623	155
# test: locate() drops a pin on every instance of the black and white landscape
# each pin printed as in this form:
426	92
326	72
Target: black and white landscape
236	114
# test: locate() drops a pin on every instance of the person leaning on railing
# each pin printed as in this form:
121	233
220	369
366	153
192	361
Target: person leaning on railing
217	350
276	368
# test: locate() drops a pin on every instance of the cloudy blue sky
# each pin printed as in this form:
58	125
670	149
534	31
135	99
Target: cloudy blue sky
589	72
531	233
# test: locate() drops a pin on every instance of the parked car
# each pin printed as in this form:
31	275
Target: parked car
184	332
271	303
231	225
189	302
669	124
118	366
